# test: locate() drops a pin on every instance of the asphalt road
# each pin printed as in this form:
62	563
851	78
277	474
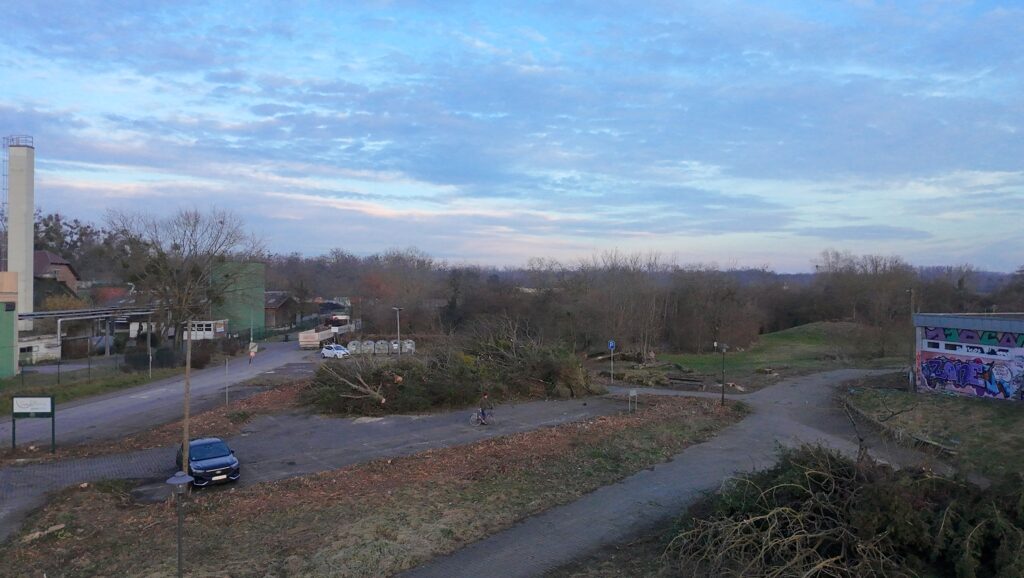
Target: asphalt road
129	411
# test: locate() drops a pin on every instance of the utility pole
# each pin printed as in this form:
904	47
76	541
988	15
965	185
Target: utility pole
398	327
723	348
149	343
188	392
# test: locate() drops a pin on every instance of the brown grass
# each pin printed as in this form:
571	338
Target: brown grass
367	520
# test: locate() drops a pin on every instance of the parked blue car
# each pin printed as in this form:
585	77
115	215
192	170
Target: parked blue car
211	461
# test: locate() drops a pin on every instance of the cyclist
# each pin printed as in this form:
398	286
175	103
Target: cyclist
486	405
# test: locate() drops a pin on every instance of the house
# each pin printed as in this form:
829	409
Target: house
280	309
49	265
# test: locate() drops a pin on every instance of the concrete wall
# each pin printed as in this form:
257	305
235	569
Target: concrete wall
21	163
971	362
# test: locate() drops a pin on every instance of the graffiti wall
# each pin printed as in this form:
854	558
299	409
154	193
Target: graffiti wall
975	363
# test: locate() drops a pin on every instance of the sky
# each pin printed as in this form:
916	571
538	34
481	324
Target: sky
736	133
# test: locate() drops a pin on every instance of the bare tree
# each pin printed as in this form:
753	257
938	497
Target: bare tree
175	259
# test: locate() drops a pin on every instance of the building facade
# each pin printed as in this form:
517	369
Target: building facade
971	355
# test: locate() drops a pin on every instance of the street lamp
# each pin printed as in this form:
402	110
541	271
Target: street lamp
179	484
722	347
398	325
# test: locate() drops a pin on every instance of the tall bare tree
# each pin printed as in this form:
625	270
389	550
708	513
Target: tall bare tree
175	259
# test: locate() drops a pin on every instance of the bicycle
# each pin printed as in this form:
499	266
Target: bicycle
475	419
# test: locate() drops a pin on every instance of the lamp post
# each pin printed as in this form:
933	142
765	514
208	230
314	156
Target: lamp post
913	349
722	347
179	484
398	326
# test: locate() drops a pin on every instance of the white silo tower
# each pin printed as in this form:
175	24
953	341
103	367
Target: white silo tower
21	165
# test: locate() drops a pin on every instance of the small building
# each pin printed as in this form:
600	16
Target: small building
8	324
205	330
977	355
35	349
49	265
280	309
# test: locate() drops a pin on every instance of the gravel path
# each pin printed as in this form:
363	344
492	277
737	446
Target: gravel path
789	413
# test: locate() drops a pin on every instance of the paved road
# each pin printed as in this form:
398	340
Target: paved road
132	410
282	446
789	413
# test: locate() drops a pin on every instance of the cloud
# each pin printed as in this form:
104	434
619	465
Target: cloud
568	125
863	232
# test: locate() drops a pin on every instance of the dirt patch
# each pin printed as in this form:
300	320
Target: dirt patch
372	519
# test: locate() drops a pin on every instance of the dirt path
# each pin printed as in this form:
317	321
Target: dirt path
275	447
794	411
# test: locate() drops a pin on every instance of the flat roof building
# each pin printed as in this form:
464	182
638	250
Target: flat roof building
977	355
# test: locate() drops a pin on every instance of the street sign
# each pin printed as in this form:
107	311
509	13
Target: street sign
611	344
33	406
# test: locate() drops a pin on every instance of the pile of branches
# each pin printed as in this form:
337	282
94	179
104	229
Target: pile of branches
819	514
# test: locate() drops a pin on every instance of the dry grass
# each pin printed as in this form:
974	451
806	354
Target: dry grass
368	520
987	435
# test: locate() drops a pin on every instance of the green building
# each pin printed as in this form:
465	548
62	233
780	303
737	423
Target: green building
8	340
243	287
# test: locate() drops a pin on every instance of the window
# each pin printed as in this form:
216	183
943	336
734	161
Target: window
952	347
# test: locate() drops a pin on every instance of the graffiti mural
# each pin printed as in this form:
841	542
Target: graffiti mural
975	337
998	378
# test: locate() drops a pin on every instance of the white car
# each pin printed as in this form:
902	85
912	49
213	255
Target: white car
335	351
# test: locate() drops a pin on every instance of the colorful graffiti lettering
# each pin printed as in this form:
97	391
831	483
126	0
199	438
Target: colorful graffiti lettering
975	337
1003	379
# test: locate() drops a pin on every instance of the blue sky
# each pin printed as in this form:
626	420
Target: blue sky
739	133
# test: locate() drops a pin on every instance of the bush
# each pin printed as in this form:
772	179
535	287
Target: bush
202	352
447	378
820	514
165	357
135	360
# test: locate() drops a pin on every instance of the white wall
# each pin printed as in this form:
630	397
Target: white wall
21	224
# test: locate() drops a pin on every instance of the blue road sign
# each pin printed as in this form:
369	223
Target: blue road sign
611	344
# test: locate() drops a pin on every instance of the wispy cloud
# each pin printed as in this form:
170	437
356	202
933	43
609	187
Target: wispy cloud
484	130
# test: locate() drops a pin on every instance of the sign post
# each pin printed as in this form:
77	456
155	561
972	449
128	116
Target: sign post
33	406
611	347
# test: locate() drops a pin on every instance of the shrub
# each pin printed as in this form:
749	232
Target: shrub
819	514
449	377
165	357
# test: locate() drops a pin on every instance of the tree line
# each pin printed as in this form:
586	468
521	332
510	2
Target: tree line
643	300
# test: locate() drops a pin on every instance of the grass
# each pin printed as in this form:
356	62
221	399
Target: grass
77	384
373	519
800	350
988	435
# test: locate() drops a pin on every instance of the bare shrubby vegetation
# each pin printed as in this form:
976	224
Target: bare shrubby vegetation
499	356
819	514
